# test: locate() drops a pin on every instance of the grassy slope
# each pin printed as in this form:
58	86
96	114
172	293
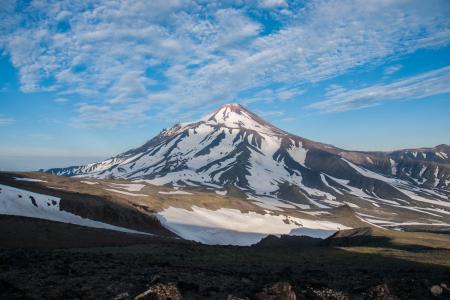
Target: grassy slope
31	233
409	263
154	201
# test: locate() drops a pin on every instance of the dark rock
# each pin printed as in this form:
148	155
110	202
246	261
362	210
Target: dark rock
122	296
381	292
6	286
245	280
325	293
278	291
272	241
211	292
155	279
188	286
232	297
161	291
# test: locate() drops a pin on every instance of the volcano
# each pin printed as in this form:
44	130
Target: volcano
234	150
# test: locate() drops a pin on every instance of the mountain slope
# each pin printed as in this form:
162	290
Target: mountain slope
234	149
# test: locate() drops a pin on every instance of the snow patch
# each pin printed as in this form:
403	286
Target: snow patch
222	193
232	227
424	168
126	193
436	178
28	179
393	166
131	187
298	154
441	155
89	182
352	205
46	207
174	193
273	203
316	213
325	181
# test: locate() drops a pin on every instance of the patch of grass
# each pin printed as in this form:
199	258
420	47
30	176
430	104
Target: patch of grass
438	257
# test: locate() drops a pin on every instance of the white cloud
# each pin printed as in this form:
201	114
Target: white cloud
269	114
416	87
132	60
61	100
288	119
275	94
272	3
4	120
93	115
392	69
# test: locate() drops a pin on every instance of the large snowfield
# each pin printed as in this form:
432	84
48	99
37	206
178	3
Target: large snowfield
19	202
233	227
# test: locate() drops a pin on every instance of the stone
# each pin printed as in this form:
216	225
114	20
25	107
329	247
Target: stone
245	280
122	296
232	297
436	290
327	293
278	291
161	291
381	292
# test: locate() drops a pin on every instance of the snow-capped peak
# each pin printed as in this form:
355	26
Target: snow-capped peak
235	115
233	148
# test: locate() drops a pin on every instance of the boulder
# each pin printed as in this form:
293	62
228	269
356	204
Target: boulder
278	291
436	290
381	292
326	293
161	291
122	296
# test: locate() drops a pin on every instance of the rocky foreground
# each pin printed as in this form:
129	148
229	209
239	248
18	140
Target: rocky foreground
173	270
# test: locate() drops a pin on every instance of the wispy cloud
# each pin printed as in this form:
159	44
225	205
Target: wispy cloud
270	114
4	120
392	69
416	87
109	116
273	3
132	60
61	100
41	136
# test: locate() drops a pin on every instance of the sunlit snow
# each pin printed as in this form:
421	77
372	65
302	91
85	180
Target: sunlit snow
19	202
29	179
233	227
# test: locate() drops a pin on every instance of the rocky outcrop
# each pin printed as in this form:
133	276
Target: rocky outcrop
272	241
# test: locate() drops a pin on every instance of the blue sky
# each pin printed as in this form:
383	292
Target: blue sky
85	80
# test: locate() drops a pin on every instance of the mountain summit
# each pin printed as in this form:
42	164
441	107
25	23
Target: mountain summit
233	148
237	116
